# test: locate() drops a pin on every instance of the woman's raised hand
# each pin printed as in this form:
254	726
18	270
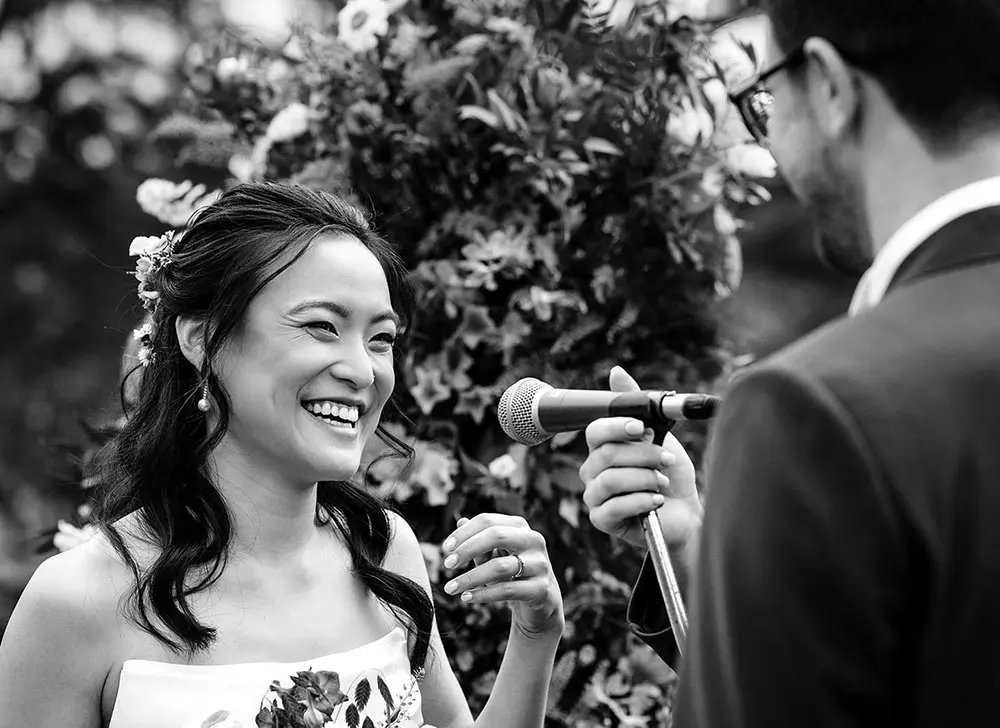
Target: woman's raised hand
510	564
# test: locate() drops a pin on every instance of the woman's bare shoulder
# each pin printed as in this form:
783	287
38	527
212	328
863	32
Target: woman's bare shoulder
85	584
405	556
65	630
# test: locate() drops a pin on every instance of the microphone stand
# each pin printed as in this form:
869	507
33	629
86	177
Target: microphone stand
667	579
670	589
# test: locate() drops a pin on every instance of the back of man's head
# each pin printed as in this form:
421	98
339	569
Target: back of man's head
938	60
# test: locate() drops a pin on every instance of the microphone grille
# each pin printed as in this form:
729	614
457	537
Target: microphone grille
515	412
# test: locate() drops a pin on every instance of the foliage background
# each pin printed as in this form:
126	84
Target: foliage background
528	264
551	177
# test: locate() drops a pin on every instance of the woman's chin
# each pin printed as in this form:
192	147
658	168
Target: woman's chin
338	466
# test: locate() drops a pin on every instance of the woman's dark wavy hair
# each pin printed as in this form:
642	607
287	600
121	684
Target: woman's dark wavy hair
156	467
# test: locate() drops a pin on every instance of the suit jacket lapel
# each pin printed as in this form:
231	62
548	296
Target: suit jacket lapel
970	240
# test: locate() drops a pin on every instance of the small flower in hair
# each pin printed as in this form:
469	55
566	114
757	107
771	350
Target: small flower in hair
144	333
148	297
146	356
153	253
148	245
142	268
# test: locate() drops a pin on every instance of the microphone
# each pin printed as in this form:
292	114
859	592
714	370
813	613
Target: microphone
531	411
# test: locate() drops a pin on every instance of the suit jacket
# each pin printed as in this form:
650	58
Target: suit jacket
849	567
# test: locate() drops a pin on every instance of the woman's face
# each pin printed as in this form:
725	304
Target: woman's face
311	372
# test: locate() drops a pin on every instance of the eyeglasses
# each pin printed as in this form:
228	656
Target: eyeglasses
754	99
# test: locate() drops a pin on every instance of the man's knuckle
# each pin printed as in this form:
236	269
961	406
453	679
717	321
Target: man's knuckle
599	486
598	461
593	434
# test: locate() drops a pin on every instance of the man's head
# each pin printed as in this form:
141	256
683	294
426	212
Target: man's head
854	89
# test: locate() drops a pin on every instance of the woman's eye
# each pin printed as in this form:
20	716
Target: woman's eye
388	340
322	325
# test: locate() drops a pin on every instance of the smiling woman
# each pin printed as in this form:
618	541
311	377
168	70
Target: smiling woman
321	333
234	545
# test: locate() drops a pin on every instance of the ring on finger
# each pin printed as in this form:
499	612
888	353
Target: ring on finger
520	567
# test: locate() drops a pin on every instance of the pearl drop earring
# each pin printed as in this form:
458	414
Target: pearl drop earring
204	404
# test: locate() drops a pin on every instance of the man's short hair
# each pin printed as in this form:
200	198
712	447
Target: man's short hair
938	60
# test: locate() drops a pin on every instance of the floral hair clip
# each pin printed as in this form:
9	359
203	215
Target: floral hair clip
153	255
144	334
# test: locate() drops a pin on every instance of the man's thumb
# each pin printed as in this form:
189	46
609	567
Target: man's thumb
621	381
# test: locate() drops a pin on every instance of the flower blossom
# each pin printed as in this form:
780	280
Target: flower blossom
503	467
147	329
407	40
289	123
145	356
362	22
69	536
690	125
241	167
725	223
173	203
229	68
750	160
147	246
143	266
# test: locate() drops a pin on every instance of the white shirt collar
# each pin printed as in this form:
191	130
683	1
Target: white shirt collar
874	283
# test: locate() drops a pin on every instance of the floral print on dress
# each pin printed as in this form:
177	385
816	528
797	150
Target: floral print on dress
372	704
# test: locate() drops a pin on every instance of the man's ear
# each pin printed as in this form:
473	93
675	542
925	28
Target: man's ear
191	335
835	96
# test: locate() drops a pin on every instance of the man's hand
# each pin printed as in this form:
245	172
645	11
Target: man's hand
626	476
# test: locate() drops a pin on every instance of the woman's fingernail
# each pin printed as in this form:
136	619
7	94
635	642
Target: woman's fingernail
451	561
667	459
451	587
662	479
450	544
658	500
634	428
466	596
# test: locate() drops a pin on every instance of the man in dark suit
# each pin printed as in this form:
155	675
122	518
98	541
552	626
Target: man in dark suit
848	568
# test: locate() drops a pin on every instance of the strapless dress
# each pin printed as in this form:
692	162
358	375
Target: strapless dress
381	689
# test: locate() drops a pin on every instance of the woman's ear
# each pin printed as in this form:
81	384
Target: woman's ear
191	337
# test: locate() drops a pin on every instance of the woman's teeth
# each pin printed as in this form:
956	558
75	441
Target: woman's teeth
334	412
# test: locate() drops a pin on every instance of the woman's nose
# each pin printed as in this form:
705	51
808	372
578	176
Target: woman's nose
354	365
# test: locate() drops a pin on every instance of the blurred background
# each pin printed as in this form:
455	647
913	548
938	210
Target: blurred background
82	84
